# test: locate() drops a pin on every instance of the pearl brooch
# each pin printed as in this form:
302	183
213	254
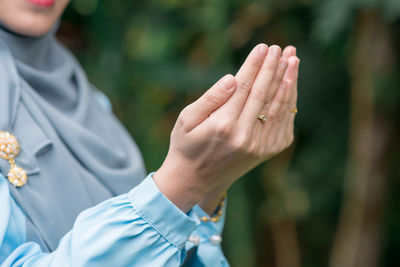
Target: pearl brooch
9	149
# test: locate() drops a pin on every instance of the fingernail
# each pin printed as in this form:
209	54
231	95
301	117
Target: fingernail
228	83
262	49
294	48
294	60
275	51
283	62
297	63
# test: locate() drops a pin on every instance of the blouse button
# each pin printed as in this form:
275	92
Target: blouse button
195	239
215	239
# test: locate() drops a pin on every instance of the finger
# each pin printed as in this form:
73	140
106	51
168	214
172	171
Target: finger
288	83
211	100
285	135
284	130
289	129
278	127
293	100
289	51
245	78
262	91
280	131
276	117
292	107
287	113
279	104
283	64
292	74
290	78
266	134
292	70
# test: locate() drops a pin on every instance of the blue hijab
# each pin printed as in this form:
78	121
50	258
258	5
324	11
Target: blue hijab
76	153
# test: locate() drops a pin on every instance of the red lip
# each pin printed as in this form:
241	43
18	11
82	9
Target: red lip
43	3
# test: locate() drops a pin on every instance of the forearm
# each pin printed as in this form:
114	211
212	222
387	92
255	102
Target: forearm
186	196
141	228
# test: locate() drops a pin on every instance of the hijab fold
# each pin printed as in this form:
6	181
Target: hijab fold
76	153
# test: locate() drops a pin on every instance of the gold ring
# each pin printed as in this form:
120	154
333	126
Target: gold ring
262	118
294	111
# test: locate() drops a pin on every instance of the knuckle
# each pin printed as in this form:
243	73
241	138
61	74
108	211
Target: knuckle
266	109
275	84
274	117
251	149
263	97
224	128
287	99
280	101
182	117
256	151
181	124
268	100
271	117
212	97
241	142
270	65
256	61
243	84
182	121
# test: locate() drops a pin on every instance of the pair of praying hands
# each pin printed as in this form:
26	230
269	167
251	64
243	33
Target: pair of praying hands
238	123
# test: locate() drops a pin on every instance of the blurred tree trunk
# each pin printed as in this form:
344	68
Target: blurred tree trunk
285	242
358	239
286	248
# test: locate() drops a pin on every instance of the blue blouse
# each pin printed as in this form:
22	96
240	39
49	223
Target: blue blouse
140	228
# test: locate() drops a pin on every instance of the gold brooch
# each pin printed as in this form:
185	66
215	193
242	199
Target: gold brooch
9	149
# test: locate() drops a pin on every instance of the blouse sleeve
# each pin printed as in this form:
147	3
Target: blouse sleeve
204	244
140	228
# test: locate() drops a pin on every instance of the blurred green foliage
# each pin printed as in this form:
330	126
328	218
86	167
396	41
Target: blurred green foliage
153	57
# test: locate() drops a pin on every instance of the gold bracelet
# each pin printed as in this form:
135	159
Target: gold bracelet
216	217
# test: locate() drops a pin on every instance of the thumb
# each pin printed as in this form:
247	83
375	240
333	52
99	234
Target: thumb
211	100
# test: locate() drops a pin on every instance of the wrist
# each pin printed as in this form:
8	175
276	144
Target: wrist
179	189
211	201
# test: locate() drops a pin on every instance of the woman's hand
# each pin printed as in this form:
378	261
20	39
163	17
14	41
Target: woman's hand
218	138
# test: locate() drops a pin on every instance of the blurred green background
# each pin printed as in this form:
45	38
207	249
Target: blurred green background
331	199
